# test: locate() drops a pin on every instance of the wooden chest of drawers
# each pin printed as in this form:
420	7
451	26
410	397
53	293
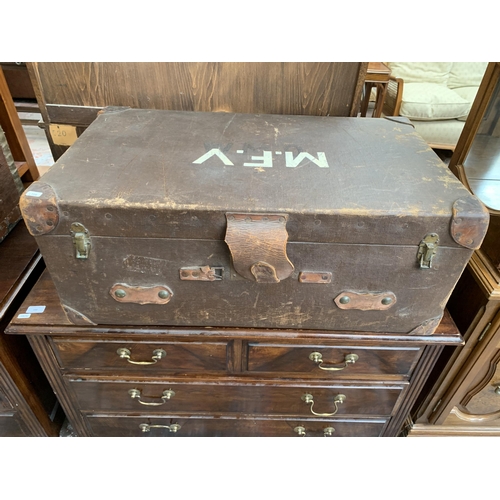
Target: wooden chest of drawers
161	381
28	406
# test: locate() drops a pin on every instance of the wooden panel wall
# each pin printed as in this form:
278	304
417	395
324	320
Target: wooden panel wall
72	93
285	88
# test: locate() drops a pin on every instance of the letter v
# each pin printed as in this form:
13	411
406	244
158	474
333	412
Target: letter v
212	152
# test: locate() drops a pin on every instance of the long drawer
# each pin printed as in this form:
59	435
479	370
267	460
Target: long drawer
172	426
260	397
152	357
332	361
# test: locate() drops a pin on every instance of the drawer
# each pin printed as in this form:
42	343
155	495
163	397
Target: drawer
11	426
257	398
147	357
5	404
171	426
331	361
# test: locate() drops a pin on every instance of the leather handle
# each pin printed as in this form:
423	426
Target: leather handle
257	243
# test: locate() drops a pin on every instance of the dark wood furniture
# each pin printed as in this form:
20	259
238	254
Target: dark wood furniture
28	406
14	133
160	381
465	397
378	77
71	94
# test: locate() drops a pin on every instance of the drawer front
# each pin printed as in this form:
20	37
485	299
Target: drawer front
249	399
331	361
11	426
147	357
171	426
5	404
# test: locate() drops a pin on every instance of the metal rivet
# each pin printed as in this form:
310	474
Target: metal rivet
345	300
324	277
39	228
49	223
386	301
458	235
282	219
120	293
108	216
50	208
470	242
163	294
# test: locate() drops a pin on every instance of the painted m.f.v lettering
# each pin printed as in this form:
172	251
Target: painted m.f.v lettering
266	160
212	152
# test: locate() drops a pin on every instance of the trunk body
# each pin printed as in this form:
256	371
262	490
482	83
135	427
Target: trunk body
266	221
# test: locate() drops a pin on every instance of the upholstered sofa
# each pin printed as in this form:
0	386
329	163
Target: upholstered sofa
436	97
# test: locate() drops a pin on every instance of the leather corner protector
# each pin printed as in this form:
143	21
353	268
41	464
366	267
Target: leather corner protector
469	222
39	208
76	317
428	327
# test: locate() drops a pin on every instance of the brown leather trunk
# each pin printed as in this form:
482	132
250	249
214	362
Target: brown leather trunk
266	221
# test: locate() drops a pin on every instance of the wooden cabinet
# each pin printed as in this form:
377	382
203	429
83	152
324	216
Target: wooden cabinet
463	400
28	406
161	381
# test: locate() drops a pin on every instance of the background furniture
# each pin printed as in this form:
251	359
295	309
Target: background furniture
436	97
161	381
14	133
464	398
377	76
28	406
71	94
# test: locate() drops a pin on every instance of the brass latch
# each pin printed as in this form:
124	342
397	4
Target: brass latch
203	273
81	240
427	250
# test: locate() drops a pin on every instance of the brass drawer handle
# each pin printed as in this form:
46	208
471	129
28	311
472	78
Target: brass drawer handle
157	355
338	400
172	427
317	358
136	394
301	431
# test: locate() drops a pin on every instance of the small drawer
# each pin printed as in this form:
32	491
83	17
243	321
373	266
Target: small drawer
331	361
5	404
11	426
172	426
122	355
257	398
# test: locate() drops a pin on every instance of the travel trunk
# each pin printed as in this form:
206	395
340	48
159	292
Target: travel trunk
267	221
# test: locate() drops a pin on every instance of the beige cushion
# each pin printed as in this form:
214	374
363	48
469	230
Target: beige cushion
440	133
467	93
430	101
412	72
466	74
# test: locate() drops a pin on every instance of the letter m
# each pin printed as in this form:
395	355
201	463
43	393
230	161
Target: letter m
320	161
